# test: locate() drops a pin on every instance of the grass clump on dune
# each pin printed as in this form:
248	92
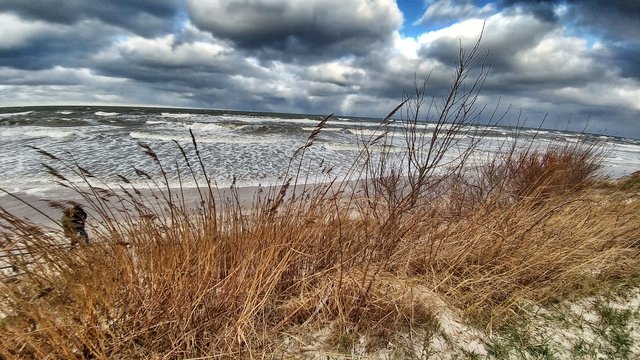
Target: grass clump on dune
403	238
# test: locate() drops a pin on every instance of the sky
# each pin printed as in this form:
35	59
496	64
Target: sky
571	65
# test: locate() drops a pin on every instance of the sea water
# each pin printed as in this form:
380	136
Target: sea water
249	148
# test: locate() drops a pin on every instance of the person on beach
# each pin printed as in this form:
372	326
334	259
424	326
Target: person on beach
73	221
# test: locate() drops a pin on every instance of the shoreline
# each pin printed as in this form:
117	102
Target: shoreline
24	208
37	208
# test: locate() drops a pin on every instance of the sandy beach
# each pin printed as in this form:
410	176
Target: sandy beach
37	208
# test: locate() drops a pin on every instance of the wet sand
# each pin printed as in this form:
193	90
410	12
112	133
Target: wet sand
37	208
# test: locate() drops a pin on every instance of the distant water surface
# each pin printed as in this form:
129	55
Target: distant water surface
255	148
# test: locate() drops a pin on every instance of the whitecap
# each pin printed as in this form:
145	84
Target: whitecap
537	131
627	147
104	113
357	148
323	129
205	127
177	115
38	132
139	135
365	132
204	139
6	115
279	120
157	122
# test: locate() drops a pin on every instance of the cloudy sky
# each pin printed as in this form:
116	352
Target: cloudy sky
576	60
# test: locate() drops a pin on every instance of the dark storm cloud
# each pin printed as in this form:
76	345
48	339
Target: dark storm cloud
314	28
542	9
625	57
189	79
618	19
188	58
69	46
541	66
141	16
502	42
617	22
611	15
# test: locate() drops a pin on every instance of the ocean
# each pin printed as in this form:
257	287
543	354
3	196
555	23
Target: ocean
252	148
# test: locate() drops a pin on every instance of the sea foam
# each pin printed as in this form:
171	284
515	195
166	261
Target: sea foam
6	115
